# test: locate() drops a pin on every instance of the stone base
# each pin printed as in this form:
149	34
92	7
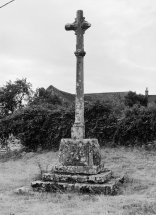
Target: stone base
110	188
84	152
102	183
79	169
90	170
71	178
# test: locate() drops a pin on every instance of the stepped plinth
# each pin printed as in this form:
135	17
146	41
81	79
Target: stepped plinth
79	169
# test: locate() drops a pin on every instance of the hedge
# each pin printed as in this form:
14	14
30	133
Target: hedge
39	126
138	127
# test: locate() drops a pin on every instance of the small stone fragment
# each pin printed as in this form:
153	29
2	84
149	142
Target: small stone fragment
24	190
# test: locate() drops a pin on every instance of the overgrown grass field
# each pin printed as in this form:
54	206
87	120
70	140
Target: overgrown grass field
137	195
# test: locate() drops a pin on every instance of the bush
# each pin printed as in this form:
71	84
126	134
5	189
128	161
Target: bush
137	127
100	122
39	126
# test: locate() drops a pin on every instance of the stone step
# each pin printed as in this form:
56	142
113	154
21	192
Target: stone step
88	170
77	178
109	188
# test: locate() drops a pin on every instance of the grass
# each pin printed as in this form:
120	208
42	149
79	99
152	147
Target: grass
137	196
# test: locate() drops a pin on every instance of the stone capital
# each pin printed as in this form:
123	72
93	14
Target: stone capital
79	52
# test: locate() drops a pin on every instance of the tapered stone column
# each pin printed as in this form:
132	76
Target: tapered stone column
79	26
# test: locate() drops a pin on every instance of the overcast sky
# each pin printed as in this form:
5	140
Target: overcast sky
120	45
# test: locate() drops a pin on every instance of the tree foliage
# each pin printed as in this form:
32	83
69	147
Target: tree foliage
15	95
43	96
132	98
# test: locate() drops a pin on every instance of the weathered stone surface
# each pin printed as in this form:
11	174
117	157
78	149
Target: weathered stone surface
109	188
85	152
76	178
79	26
78	131
24	190
89	170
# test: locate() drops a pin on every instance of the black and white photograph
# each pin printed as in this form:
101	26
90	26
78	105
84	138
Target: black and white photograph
77	107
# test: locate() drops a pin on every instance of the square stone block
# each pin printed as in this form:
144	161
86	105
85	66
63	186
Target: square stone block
78	178
109	188
85	152
88	170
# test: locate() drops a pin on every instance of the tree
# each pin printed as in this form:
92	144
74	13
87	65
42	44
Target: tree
42	97
15	95
132	98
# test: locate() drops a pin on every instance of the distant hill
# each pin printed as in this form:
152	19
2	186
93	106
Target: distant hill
69	98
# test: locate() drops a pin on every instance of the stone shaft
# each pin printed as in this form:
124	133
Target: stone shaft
78	130
79	26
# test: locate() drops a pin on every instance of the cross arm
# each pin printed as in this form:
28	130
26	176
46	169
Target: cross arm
85	25
71	27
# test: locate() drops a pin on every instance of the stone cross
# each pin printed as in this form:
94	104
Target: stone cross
79	26
79	167
78	155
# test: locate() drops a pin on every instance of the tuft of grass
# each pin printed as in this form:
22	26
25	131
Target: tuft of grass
41	170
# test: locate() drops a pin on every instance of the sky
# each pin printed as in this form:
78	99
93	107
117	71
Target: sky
120	45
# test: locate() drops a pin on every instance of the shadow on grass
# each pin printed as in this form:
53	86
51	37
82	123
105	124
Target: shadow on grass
132	186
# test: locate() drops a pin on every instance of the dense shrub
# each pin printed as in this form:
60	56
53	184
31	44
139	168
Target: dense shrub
100	122
39	126
137	127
